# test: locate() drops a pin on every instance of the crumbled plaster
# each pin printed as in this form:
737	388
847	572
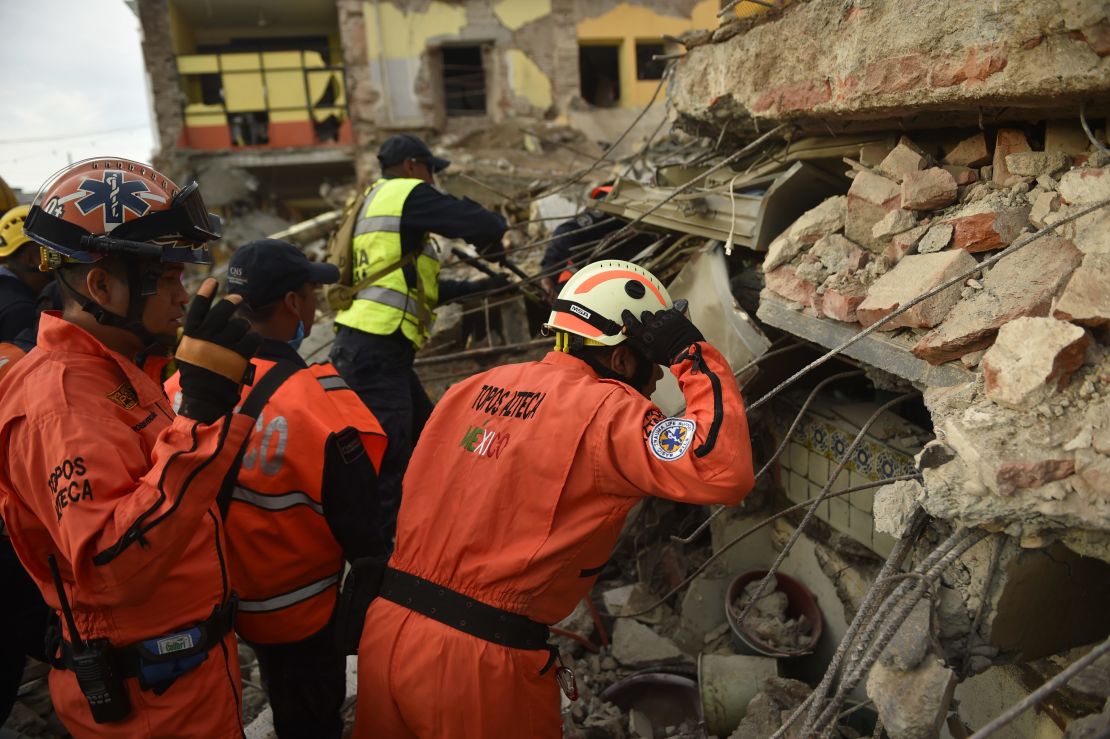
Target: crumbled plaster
855	64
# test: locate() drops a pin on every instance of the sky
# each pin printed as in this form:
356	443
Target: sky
73	87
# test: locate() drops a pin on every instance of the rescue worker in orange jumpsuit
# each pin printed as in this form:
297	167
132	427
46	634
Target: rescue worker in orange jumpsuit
109	497
515	497
23	620
304	499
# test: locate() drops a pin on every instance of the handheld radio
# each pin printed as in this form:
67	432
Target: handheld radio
93	665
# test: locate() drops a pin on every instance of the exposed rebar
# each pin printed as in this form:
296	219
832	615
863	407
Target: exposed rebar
778	452
812	511
890	624
1043	692
863	614
784	512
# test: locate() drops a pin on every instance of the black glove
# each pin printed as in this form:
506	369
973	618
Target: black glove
493	252
661	336
214	356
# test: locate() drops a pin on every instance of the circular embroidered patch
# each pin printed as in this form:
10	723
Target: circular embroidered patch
671	437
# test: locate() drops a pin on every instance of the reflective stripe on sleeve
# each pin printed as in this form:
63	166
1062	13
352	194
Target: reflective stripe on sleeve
275	502
288	599
335	382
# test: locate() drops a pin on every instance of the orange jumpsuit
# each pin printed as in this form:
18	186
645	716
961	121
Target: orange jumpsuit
9	355
515	496
285	559
100	472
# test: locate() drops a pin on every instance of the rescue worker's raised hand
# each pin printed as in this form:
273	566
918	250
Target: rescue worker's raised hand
214	355
663	335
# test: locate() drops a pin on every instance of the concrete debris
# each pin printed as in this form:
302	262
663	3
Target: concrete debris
971	152
1031	359
908	646
870	197
938	237
987	224
639	726
1036	163
823	220
928	189
962	175
894	505
902	160
768	622
1021	284
904	243
836	254
1044	202
769	707
914	275
1094	726
1007	141
1086	298
912	704
842	297
892	224
1085	186
636	644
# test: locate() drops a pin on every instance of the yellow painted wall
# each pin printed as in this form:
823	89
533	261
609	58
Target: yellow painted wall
516	13
628	23
405	36
528	81
181	35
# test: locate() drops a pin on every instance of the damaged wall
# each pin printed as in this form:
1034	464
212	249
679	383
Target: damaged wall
870	63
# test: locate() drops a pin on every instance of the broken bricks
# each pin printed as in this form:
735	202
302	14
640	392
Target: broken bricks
910	278
1032	359
1020	284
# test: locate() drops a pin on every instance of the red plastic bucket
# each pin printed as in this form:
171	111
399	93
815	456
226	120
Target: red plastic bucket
799	602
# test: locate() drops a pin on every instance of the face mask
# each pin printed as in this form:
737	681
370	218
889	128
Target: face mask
298	337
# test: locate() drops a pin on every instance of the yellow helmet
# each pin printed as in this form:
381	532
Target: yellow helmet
11	231
590	305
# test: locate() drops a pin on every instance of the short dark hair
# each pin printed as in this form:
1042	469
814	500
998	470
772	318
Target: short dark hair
72	275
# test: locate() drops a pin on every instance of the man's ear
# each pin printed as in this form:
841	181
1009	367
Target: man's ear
623	362
99	285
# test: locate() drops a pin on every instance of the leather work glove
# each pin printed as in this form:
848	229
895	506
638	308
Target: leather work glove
663	335
214	355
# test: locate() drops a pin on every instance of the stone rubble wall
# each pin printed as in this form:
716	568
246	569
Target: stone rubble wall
828	63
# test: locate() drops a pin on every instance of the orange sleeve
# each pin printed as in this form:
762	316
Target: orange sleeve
122	519
701	457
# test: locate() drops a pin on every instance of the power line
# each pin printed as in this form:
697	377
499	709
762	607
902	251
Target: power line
85	134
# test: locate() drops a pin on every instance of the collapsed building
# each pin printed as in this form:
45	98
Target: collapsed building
915	210
891	219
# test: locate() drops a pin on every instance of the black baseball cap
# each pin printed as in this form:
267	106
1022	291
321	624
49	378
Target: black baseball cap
263	271
402	146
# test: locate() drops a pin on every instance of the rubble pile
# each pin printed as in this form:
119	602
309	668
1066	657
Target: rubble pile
768	621
1023	442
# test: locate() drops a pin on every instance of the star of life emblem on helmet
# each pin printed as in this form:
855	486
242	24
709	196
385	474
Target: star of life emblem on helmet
114	195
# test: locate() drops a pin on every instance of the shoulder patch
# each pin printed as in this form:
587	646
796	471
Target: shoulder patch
671	437
651	418
124	396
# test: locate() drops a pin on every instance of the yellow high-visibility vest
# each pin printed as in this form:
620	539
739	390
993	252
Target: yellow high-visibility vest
390	302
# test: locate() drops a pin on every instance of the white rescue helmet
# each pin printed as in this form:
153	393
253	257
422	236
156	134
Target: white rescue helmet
590	305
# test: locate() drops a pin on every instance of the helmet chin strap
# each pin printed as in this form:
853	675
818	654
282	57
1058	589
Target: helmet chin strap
142	282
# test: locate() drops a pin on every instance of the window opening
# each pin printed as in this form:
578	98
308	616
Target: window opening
464	81
600	80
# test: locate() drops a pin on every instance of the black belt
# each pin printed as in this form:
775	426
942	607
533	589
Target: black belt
466	614
129	658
